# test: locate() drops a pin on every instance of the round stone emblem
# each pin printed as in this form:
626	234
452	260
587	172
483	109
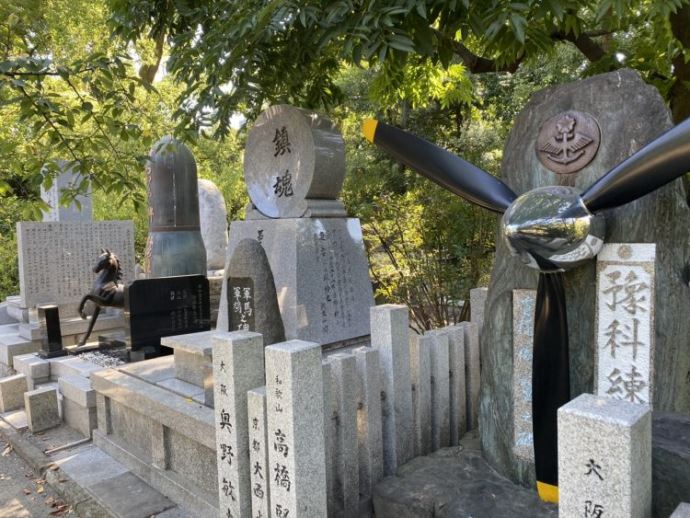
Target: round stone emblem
568	142
292	155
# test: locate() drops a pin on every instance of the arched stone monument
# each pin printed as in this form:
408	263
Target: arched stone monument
174	245
213	222
628	114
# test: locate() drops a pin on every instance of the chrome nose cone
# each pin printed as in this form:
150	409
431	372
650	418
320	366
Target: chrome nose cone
550	229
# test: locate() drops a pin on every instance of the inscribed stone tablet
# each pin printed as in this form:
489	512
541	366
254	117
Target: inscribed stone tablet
166	306
79	210
625	322
292	155
56	259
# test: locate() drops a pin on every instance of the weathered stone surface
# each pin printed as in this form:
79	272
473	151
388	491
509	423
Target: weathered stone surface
458	391
42	409
258	452
292	155
56	259
214	225
238	366
682	511
79	210
625	322
174	245
420	371
523	346
455	482
77	389
321	275
12	390
604	458
249	301
630	114
369	434
477	305
440	391
670	461
294	402
389	336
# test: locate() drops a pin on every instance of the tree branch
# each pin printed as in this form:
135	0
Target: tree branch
584	43
474	63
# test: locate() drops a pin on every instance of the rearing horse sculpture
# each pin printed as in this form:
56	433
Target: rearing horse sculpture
106	290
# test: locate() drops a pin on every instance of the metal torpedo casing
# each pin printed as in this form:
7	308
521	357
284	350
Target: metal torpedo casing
174	245
550	229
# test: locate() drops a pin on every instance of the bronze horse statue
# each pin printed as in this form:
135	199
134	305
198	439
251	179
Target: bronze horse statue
106	290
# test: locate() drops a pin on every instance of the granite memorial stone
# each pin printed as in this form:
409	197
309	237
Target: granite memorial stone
56	259
420	372
167	306
390	337
174	245
238	366
604	458
258	452
294	170
630	114
66	179
292	155
369	436
625	322
295	408
213	222
252	303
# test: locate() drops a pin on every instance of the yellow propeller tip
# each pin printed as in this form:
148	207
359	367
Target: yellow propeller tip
369	129
547	492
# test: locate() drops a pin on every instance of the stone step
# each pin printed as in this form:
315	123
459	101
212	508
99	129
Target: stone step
73	326
9	329
71	366
14	345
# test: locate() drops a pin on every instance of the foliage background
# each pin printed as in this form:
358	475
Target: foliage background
98	82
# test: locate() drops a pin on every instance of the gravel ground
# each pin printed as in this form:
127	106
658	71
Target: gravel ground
23	494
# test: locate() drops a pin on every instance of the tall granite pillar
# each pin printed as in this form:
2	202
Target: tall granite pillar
629	114
174	245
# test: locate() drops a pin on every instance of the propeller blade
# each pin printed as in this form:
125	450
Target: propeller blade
550	379
653	166
446	169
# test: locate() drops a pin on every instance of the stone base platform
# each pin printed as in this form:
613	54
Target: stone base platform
158	427
455	482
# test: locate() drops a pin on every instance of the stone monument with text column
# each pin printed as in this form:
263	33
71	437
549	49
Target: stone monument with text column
294	168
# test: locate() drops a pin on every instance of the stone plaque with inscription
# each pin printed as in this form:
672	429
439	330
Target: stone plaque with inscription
292	155
241	304
166	306
56	259
625	322
251	300
321	275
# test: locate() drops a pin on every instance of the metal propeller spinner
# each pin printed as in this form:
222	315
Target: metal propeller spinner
551	229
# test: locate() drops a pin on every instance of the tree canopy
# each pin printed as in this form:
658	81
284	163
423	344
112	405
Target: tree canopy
238	55
98	82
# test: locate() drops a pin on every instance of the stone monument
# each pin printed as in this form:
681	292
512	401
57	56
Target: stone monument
252	301
79	210
628	114
174	245
294	170
214	225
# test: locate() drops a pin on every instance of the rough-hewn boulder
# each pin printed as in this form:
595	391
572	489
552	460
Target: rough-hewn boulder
630	114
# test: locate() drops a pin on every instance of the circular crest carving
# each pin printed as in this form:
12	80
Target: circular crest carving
568	142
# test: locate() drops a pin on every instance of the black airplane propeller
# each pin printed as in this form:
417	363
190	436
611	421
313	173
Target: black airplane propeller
552	229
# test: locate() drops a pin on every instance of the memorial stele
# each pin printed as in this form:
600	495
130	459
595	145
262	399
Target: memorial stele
294	169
